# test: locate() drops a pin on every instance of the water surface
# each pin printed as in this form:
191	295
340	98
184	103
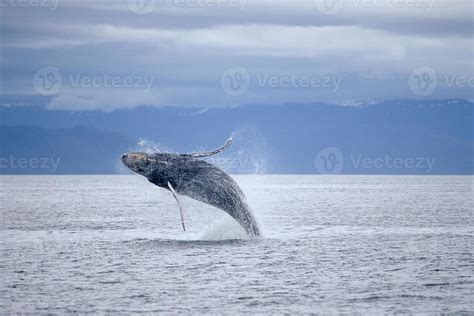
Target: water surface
377	244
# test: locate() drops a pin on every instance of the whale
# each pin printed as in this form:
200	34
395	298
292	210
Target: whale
189	175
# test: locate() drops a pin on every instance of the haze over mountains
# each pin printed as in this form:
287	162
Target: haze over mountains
390	137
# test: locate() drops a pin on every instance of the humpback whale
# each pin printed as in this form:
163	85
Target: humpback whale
187	174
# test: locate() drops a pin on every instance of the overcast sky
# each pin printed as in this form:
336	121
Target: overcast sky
83	55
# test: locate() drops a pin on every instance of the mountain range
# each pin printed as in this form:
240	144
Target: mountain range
384	137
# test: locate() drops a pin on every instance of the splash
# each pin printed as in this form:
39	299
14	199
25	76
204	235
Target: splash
149	146
225	228
248	153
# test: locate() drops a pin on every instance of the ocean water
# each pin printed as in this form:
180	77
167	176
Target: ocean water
330	244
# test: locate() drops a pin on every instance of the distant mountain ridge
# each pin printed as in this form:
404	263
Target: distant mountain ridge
383	137
77	150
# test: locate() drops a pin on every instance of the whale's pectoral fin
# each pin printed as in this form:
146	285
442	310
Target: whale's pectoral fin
179	204
211	153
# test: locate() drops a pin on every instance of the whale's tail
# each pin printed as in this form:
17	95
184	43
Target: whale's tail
210	153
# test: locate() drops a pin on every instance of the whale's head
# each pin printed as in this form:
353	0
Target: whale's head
146	164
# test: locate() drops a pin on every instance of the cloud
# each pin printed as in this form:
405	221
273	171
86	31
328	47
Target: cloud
187	45
101	99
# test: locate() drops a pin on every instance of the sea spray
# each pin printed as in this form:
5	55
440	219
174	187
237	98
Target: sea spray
247	155
225	228
149	146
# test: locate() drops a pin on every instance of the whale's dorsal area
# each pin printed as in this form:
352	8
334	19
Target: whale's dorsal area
185	174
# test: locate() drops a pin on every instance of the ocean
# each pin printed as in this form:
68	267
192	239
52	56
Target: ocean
329	245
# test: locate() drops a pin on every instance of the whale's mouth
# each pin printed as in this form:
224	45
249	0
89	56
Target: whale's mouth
124	159
135	161
131	159
133	156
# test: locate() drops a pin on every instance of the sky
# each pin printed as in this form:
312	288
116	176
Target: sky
106	55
